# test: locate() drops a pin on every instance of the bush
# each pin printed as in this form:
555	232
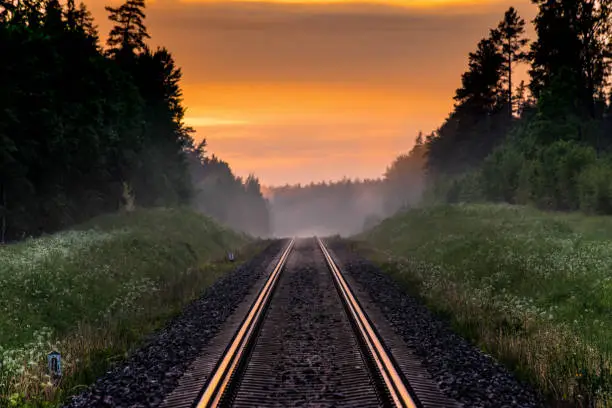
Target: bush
526	178
560	164
595	188
470	187
550	177
500	174
466	188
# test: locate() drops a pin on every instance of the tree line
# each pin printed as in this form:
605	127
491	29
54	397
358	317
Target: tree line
546	142
221	194
349	206
85	128
343	206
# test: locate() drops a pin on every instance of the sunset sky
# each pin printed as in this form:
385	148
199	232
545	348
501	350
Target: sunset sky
299	91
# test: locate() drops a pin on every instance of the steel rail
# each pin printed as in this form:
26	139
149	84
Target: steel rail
219	381
387	367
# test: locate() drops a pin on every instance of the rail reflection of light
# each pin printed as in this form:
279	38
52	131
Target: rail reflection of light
393	381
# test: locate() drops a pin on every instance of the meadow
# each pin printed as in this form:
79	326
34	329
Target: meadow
532	288
95	292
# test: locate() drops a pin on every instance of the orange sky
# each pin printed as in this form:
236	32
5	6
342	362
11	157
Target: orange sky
299	91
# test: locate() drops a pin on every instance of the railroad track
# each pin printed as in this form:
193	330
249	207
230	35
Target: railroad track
305	340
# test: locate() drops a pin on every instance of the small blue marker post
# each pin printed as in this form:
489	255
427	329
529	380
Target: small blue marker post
54	362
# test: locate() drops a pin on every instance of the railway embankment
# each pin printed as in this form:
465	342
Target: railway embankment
530	288
98	291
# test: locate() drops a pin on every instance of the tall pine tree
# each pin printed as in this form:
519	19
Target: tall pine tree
572	45
129	33
475	126
510	33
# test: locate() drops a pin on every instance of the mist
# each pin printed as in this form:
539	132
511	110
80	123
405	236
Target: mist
347	207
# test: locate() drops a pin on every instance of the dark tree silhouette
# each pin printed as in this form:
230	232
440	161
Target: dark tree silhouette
510	33
556	152
219	193
572	36
129	34
476	125
481	84
75	124
164	135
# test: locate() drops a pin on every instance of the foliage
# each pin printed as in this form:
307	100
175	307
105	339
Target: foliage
480	119
129	33
510	33
76	124
553	151
572	36
595	188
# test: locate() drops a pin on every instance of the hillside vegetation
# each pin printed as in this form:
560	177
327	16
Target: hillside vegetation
95	291
532	288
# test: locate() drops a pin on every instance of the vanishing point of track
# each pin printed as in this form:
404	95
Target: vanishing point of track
306	327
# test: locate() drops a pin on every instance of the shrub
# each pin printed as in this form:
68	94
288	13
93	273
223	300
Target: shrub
549	176
560	165
500	174
595	188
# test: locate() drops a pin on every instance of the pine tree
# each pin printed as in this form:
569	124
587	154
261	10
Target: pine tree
474	127
595	32
53	23
481	84
80	19
510	32
163	173
521	98
128	35
573	38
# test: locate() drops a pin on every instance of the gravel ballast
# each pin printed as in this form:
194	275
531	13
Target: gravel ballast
306	353
153	371
461	370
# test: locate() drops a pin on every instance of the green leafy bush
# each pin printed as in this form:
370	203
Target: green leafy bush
595	188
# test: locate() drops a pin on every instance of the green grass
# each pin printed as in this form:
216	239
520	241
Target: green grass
532	288
94	292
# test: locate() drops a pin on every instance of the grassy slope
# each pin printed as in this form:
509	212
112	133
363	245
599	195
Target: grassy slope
532	288
95	291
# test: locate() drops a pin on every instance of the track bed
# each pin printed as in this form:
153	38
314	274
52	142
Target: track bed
311	330
304	339
306	352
